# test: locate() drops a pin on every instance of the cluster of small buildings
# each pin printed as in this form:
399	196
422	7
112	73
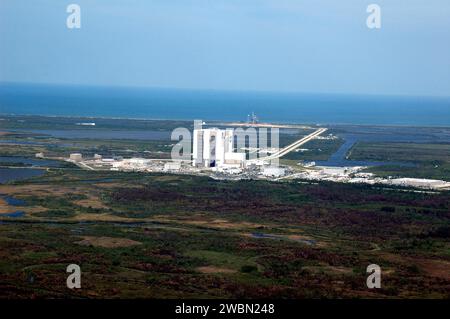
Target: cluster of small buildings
421	183
354	175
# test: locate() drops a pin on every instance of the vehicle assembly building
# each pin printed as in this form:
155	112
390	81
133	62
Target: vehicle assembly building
214	147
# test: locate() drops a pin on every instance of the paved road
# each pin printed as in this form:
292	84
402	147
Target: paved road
294	145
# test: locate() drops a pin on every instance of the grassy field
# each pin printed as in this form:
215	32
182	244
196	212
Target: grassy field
19	145
411	152
27	122
317	150
168	236
430	160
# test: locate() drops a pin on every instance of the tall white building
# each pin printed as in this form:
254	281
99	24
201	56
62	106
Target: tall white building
214	148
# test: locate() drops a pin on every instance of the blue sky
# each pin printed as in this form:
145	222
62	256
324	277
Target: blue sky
264	45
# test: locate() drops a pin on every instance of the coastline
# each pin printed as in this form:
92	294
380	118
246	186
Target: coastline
221	122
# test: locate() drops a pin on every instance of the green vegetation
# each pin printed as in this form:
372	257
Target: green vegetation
63	147
35	122
196	238
411	152
430	160
221	259
317	150
441	171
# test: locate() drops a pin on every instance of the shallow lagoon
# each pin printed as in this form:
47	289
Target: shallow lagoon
106	134
11	201
29	161
16	174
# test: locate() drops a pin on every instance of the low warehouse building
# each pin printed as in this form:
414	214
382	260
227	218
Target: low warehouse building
76	157
273	171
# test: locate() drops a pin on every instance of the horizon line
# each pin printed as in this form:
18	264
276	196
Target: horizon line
281	92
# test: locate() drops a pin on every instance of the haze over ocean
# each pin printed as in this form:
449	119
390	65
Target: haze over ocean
222	105
223	53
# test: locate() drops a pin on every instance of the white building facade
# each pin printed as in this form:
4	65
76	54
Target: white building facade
214	147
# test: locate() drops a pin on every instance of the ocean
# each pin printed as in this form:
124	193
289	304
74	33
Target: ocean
60	100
